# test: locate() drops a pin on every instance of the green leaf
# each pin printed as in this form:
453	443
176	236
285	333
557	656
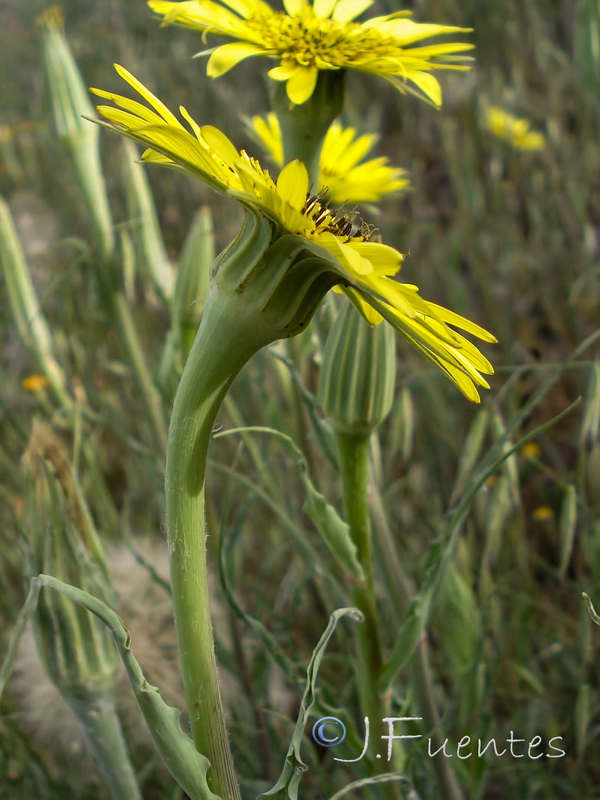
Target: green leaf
286	787
334	531
177	750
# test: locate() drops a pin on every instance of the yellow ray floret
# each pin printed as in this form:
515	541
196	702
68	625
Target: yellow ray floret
324	35
343	173
514	130
365	269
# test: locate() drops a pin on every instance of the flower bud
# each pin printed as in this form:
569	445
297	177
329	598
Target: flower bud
192	284
152	254
356	386
75	647
70	101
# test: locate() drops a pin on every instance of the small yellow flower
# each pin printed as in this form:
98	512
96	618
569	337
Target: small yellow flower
33	383
543	514
323	36
364	269
517	132
531	450
343	174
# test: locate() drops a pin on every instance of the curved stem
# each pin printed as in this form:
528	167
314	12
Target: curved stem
222	346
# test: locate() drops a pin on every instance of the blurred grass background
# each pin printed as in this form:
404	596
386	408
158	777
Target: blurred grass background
510	239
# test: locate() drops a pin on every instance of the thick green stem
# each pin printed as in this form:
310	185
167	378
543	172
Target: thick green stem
263	289
99	718
304	127
222	346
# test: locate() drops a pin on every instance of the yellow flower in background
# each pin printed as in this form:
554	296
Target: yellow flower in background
364	268
33	383
543	514
342	172
323	36
517	132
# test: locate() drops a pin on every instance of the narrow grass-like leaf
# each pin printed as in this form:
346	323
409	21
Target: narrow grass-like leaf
334	531
286	787
568	525
592	611
590	423
470	452
375	780
28	609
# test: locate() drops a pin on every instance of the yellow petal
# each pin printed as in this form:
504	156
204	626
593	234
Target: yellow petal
283	72
347	10
218	142
383	258
323	8
362	305
464	324
191	121
164	112
248	8
228	55
428	85
302	83
355	265
293	184
294	7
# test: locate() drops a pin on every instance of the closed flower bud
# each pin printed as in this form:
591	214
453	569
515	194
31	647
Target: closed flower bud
70	102
356	386
75	647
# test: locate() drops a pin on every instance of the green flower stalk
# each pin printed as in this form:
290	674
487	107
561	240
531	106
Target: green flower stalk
356	393
75	648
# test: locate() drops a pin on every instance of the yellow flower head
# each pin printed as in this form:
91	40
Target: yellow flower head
517	132
364	268
343	174
323	35
33	383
